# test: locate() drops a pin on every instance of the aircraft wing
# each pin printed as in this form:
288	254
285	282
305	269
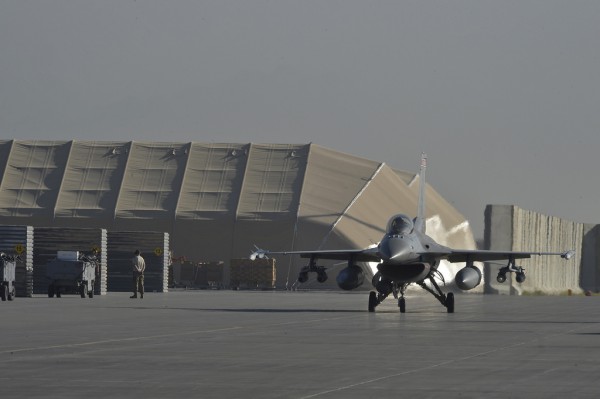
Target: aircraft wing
464	255
359	255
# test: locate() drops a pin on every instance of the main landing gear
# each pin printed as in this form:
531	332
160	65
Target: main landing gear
447	300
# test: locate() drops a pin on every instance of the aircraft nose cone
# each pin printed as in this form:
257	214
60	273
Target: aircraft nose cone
395	250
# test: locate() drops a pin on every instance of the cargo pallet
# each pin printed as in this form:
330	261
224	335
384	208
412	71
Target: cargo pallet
258	274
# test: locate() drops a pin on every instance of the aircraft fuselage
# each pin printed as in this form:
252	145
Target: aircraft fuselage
402	251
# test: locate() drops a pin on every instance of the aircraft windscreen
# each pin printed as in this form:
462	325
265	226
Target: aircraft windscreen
400	224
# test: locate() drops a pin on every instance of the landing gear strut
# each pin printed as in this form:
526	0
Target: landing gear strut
446	300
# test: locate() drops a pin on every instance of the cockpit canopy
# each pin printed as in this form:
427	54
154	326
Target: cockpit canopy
400	224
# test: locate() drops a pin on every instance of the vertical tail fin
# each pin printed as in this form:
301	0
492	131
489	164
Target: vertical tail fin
420	219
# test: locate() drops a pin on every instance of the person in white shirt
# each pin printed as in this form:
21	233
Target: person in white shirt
139	265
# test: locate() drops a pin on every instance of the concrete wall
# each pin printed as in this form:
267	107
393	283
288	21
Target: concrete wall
590	258
510	228
497	237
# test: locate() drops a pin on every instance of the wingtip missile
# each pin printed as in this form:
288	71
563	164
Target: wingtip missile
567	255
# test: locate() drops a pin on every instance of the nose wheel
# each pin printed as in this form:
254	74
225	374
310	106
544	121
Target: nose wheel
402	304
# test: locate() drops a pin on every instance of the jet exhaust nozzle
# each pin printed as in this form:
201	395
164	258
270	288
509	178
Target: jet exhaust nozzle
350	277
468	278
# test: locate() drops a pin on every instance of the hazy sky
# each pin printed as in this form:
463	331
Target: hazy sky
504	96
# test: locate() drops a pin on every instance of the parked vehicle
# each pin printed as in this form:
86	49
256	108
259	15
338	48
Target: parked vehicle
72	272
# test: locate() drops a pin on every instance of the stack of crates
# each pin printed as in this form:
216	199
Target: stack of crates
253	274
188	274
213	274
184	273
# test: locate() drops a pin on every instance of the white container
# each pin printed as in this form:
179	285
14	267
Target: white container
67	255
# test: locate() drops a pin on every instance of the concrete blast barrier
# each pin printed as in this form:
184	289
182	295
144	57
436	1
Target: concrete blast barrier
510	228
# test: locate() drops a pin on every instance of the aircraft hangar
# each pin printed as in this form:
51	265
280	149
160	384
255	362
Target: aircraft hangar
217	200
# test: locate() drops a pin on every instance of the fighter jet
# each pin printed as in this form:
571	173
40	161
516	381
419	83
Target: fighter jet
405	256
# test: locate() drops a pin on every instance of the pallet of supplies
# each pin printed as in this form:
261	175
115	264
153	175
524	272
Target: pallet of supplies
252	274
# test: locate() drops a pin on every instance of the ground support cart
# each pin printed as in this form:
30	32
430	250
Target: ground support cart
68	275
7	277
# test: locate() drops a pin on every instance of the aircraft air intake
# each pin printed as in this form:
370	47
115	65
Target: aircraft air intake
381	284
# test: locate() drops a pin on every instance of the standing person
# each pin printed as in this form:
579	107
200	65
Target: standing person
139	265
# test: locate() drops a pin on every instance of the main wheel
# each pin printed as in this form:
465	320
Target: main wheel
501	277
402	305
4	292
91	291
51	291
11	293
83	289
372	301
450	302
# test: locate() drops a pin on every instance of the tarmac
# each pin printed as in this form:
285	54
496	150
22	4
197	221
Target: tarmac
261	344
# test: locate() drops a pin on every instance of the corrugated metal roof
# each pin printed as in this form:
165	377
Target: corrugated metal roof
272	182
91	181
152	181
212	181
